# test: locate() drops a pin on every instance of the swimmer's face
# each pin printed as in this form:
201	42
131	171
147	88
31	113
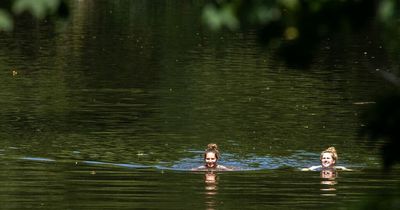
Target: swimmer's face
327	160
210	159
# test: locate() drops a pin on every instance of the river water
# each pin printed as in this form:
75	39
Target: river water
112	109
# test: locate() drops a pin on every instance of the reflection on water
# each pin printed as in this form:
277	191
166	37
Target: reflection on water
37	159
91	184
211	189
328	182
328	174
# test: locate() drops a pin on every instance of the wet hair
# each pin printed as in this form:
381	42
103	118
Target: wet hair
212	148
331	150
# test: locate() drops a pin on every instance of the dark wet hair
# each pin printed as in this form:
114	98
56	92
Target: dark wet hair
212	148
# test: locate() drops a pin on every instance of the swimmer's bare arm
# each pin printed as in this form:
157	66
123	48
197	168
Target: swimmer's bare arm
224	168
343	168
312	168
198	168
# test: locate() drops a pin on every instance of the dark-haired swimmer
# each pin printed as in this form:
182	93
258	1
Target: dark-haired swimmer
328	160
211	156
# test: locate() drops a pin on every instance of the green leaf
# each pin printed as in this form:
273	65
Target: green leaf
386	10
6	22
218	18
290	4
211	17
38	8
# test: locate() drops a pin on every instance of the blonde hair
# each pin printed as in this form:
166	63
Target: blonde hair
331	150
213	148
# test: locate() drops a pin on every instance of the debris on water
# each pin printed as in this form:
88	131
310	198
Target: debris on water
363	102
140	153
14	73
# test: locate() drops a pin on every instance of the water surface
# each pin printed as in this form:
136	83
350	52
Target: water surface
113	109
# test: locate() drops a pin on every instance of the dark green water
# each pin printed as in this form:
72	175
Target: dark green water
111	110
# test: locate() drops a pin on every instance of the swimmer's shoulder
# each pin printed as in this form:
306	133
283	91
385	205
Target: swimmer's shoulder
224	168
219	168
199	168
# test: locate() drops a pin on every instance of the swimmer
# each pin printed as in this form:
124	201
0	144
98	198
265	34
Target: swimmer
328	160
211	156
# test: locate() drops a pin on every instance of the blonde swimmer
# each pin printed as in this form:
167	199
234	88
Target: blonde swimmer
211	157
328	160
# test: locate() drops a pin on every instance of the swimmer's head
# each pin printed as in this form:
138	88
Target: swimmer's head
328	157
211	155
